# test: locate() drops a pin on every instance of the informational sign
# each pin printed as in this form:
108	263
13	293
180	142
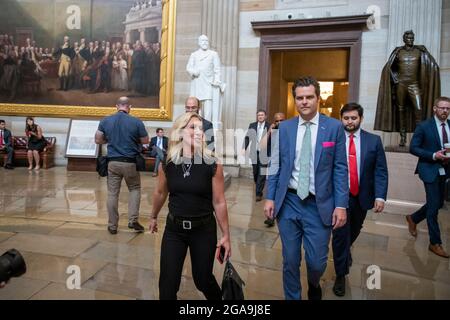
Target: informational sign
81	139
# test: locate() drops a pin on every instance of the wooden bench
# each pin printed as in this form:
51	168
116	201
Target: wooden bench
47	155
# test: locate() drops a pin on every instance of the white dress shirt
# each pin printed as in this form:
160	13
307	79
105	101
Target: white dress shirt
357	141
439	129
259	133
293	182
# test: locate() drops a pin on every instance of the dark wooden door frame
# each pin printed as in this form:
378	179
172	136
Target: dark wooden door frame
320	33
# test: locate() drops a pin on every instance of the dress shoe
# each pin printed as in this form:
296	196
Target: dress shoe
412	227
438	250
314	293
269	222
136	226
258	198
9	167
339	286
154	174
112	231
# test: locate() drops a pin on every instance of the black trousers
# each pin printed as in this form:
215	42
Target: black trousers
259	177
344	237
435	200
201	242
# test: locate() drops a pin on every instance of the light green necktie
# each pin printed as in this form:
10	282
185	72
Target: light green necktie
305	158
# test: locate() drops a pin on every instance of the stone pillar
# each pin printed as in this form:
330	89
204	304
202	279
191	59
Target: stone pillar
159	33
128	36
220	22
424	18
142	35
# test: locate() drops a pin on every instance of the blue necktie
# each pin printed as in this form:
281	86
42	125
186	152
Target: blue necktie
305	159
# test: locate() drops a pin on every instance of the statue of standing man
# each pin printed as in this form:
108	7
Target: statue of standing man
410	83
204	68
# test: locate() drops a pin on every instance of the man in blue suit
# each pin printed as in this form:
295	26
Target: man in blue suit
307	188
428	143
368	181
158	148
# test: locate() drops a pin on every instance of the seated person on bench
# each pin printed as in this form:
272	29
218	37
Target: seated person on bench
158	148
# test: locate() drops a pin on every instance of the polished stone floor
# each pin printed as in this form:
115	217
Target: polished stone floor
58	219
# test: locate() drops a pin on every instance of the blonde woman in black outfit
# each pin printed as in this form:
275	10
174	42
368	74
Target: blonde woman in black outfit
194	182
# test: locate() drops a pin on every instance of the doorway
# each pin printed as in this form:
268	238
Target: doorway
327	48
328	66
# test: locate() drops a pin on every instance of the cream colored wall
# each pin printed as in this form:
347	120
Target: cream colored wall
189	18
373	49
445	48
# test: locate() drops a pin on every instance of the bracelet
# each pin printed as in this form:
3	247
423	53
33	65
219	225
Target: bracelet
153	217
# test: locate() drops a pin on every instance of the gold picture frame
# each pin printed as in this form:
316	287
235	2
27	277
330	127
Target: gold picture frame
166	83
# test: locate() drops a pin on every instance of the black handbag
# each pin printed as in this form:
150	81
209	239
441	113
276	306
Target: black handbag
447	190
102	166
140	163
232	284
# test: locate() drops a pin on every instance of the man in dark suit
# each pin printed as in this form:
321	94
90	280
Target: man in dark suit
192	104
158	148
255	133
428	143
368	180
307	188
6	144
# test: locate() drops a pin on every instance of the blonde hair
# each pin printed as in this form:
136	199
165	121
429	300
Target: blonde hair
175	150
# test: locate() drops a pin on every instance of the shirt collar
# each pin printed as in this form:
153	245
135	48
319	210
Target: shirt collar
439	122
314	120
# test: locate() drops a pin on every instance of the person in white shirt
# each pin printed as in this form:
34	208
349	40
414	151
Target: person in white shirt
158	148
428	144
256	131
368	184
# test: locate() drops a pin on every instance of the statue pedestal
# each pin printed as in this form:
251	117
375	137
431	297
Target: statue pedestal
399	149
404	185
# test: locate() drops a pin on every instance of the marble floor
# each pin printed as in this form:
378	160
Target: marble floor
57	219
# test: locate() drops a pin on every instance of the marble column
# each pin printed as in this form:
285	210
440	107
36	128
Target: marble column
220	22
142	35
424	18
128	36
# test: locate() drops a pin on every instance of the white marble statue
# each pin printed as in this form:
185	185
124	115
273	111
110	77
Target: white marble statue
204	68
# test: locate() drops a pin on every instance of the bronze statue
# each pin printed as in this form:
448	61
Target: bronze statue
410	83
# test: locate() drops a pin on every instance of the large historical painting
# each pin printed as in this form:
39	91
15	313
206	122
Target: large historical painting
74	58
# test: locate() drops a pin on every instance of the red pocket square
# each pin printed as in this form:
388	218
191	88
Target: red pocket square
328	144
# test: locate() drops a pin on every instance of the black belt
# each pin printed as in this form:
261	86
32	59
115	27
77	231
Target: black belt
310	196
122	159
188	223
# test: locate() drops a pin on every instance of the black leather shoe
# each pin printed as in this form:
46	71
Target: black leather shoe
9	167
339	286
112	231
314	293
136	226
269	222
259	198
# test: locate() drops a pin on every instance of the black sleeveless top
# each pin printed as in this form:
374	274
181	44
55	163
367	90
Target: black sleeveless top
190	194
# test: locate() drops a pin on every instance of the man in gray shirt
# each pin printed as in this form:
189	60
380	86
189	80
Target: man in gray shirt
124	134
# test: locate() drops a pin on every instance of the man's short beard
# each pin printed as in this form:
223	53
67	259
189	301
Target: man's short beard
354	130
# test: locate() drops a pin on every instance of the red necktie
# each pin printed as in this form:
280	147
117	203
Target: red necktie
1	139
444	134
353	167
